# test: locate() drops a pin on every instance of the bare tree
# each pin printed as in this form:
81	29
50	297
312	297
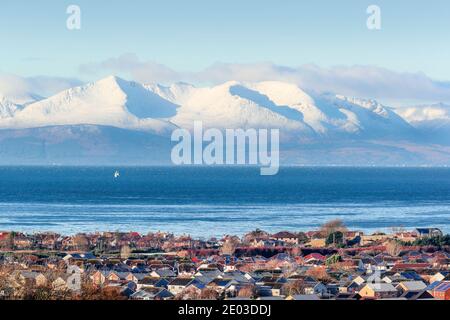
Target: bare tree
394	248
230	245
209	294
294	287
249	291
125	252
256	234
81	242
319	273
333	226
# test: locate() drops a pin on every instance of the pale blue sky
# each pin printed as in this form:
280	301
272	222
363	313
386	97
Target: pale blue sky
192	35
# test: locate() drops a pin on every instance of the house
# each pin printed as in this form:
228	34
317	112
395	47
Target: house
303	297
66	281
177	285
270	298
79	256
48	240
378	291
286	237
347	296
21	242
367	240
99	277
222	285
417	295
428	232
351	288
410	266
332	289
367	263
442	291
348	265
116	276
316	288
29	277
149	282
264	291
163	273
60	283
406	236
261	243
136	276
440	276
74	269
359	280
270	279
195	287
433	285
239	277
415	286
208	273
276	289
152	294
393	278
124	289
314	259
318	243
410	275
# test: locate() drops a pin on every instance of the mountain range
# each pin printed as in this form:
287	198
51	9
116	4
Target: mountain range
115	121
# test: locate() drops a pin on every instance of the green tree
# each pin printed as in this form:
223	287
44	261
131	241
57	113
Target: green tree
335	238
335	258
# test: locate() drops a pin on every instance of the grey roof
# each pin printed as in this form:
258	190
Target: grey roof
382	287
305	297
270	298
413	285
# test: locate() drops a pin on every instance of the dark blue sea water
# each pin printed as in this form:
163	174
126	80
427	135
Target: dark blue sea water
220	200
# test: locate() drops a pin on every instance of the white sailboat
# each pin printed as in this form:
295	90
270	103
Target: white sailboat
116	174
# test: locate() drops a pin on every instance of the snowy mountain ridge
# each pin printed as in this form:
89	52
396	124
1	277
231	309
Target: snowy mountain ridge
123	119
124	104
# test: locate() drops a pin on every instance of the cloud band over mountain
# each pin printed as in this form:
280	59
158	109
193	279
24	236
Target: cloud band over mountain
358	80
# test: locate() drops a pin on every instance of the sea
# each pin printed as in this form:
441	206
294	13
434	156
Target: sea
214	201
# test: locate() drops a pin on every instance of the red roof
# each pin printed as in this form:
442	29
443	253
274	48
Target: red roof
4	235
284	235
409	266
314	256
443	287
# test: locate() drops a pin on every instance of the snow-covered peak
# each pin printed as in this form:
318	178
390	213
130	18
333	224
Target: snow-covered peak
20	98
283	93
177	93
110	101
116	102
369	104
8	108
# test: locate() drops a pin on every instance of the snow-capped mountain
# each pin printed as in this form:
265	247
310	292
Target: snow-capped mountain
112	108
8	108
123	104
108	102
10	104
20	98
282	105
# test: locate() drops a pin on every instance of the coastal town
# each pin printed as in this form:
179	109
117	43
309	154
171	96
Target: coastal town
330	263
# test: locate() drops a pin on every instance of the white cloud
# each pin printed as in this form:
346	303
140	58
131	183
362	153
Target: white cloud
23	87
359	81
129	65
